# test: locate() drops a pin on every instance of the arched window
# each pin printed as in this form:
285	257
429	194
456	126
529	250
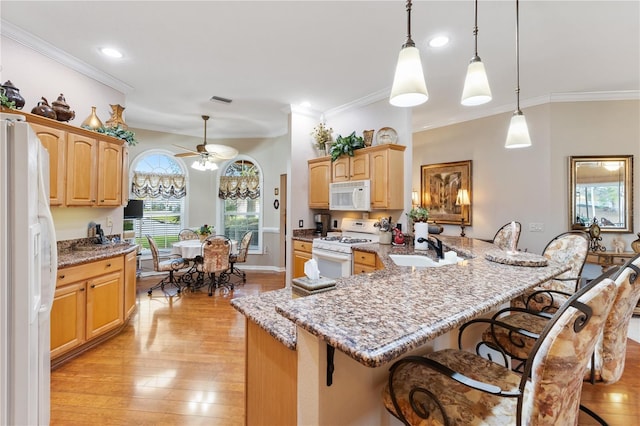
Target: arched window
159	179
239	190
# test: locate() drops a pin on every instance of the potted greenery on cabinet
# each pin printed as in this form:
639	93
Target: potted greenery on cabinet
346	145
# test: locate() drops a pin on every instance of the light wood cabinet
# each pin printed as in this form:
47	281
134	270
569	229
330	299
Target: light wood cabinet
89	302
55	142
86	168
109	177
130	280
387	176
81	170
364	262
347	168
68	318
301	254
319	180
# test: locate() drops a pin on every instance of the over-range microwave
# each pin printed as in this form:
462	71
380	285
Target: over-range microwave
353	195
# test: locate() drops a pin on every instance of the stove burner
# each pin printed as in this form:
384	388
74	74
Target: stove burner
347	240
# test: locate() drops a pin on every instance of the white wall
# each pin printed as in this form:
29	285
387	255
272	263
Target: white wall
36	76
531	184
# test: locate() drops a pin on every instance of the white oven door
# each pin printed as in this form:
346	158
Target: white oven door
332	264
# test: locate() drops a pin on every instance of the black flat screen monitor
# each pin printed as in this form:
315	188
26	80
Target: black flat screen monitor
133	210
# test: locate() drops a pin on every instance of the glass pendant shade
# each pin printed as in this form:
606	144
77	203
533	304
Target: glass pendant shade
409	88
518	135
203	164
476	86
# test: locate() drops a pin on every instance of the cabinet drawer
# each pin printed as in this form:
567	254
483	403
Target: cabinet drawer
359	268
93	269
302	246
364	258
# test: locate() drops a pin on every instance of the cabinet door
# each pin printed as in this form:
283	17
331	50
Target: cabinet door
68	318
126	187
319	179
81	170
55	142
387	179
359	167
299	259
105	303
109	174
340	170
130	265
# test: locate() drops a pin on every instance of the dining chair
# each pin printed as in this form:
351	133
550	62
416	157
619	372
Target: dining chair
215	260
241	256
171	266
188	234
569	248
457	387
504	235
515	332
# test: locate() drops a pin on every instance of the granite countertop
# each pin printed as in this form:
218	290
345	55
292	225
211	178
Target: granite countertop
78	252
376	317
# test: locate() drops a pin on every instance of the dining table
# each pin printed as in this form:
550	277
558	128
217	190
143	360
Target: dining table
189	249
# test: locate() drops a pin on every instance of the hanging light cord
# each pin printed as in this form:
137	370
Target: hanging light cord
475	29
409	42
517	57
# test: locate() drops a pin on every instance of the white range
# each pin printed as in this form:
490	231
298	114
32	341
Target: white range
334	255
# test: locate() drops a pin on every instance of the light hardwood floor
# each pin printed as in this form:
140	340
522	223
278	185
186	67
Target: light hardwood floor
180	361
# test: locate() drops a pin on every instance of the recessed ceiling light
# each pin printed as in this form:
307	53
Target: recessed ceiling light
439	41
111	52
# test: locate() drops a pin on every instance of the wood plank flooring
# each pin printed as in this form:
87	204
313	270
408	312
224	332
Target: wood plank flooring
180	361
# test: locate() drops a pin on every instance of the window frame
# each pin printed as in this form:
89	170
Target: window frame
220	203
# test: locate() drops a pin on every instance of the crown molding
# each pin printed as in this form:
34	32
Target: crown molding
45	48
359	103
619	95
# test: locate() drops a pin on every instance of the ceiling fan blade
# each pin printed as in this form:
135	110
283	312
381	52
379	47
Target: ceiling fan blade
222	152
186	149
186	154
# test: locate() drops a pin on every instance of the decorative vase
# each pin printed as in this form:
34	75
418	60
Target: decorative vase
43	109
116	117
13	94
368	137
203	237
635	245
92	121
62	109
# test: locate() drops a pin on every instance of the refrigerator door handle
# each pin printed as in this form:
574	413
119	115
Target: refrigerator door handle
45	217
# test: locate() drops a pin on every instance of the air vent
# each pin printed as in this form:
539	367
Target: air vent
220	99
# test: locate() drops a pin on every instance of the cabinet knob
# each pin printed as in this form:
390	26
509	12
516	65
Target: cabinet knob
108	265
82	289
93	286
61	276
102	201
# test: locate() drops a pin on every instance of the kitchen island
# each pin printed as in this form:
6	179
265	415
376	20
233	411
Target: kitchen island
370	320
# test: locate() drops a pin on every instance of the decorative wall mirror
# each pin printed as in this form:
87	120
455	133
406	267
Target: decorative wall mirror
601	190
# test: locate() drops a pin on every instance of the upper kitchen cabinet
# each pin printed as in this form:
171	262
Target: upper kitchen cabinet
348	168
55	142
86	168
319	180
387	176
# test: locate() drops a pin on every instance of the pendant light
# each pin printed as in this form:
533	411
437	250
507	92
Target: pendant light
409	88
476	89
518	134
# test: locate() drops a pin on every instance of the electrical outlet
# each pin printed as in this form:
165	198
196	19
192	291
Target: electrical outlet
109	221
300	223
536	227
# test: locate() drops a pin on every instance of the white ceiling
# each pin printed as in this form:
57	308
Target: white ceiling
268	55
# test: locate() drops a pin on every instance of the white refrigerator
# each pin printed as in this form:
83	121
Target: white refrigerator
28	267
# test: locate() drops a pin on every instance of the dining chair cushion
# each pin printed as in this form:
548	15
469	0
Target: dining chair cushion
171	264
215	255
505	234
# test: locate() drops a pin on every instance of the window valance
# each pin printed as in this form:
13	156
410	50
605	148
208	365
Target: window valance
239	187
155	185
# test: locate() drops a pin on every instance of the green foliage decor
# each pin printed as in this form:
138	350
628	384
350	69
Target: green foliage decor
346	145
418	214
117	132
4	100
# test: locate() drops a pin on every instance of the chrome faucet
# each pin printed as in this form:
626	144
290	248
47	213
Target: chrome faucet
437	246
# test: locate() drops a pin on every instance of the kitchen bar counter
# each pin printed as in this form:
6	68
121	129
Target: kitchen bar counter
377	317
78	253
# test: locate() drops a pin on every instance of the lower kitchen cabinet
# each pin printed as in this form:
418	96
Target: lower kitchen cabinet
89	302
301	254
364	262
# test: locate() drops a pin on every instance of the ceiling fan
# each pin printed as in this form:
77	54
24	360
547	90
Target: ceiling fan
208	152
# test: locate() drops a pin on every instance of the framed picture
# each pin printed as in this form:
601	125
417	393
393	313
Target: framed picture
446	191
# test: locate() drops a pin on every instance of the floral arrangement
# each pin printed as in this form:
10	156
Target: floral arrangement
322	134
418	214
205	230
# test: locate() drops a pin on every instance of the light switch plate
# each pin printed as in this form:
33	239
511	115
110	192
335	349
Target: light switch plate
536	227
